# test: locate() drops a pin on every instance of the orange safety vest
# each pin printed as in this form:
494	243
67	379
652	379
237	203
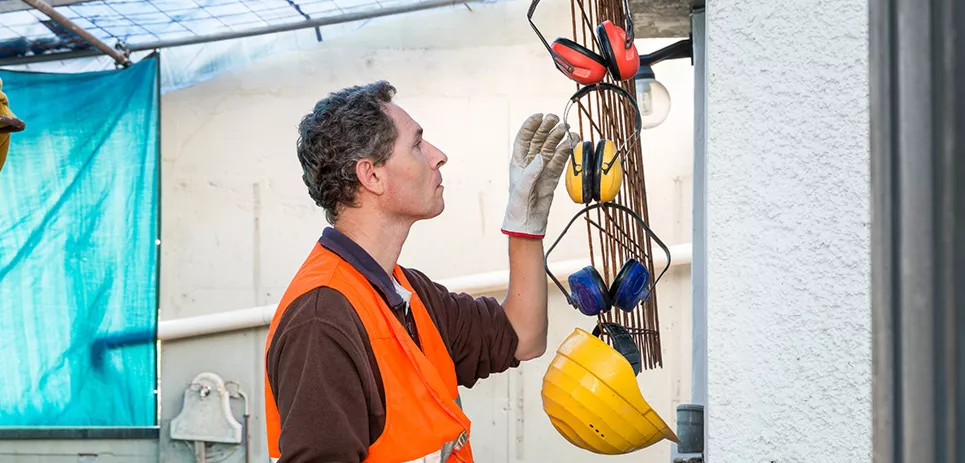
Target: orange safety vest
423	416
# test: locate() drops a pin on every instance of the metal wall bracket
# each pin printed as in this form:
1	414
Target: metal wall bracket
206	414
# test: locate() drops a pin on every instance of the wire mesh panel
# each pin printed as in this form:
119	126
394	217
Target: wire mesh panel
612	233
25	32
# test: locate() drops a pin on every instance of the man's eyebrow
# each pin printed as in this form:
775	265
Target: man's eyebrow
418	132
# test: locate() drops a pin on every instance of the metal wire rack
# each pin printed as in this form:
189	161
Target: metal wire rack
145	24
612	234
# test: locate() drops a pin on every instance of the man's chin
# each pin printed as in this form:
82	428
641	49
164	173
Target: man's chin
439	210
436	212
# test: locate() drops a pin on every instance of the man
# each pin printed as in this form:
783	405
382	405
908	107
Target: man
364	357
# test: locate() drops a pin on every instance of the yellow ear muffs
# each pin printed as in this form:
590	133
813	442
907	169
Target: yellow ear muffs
596	173
579	182
609	171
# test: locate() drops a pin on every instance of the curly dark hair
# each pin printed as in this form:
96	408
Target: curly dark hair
346	126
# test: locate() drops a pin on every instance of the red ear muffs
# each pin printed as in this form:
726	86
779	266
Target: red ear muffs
619	54
622	62
588	67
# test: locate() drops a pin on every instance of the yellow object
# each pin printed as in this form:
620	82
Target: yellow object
610	173
8	123
591	396
574	175
595	170
594	174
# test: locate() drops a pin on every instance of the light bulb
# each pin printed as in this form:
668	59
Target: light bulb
653	99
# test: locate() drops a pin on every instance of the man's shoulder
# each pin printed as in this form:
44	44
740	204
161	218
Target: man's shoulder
318	304
321	308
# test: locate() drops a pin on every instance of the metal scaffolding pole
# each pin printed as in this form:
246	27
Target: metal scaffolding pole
51	13
918	229
344	18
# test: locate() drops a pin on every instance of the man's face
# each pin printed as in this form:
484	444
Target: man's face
413	180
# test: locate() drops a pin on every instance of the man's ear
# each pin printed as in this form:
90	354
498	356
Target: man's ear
370	176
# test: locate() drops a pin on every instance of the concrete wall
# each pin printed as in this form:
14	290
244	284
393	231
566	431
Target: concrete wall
79	451
237	220
789	326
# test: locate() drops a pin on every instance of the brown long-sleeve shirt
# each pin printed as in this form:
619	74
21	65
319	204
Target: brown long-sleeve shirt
323	372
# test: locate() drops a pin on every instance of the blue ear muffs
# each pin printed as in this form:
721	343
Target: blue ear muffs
629	286
590	294
593	297
589	291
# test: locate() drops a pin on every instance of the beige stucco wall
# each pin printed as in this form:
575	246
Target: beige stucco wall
788	255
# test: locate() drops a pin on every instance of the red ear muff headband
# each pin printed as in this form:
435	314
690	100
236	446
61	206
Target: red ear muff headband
580	64
638	124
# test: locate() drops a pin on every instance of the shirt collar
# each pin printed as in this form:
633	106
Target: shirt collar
351	252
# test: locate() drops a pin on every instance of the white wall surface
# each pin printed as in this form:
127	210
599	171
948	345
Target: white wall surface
237	220
789	355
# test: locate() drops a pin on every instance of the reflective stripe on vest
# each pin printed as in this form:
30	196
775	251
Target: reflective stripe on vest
423	416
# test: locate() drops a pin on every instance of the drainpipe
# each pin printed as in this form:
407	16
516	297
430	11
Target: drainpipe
917	112
63	21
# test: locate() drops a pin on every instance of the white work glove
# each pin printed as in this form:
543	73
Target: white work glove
540	153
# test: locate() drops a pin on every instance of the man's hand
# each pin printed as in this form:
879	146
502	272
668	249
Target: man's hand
534	172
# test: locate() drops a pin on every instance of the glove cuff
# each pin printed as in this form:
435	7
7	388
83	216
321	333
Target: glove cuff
522	235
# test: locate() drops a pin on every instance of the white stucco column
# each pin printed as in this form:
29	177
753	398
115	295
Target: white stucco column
788	237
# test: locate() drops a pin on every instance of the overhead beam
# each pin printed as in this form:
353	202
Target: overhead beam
51	13
662	18
7	6
298	8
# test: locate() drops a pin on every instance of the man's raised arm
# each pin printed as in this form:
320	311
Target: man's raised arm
534	172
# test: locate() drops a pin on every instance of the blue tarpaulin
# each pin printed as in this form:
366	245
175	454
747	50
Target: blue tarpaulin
78	250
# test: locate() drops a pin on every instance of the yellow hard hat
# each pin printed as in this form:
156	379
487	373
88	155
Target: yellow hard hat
591	396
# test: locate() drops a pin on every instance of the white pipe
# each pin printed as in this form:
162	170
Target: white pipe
215	323
256	317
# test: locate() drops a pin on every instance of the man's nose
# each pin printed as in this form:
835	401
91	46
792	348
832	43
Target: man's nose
438	158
